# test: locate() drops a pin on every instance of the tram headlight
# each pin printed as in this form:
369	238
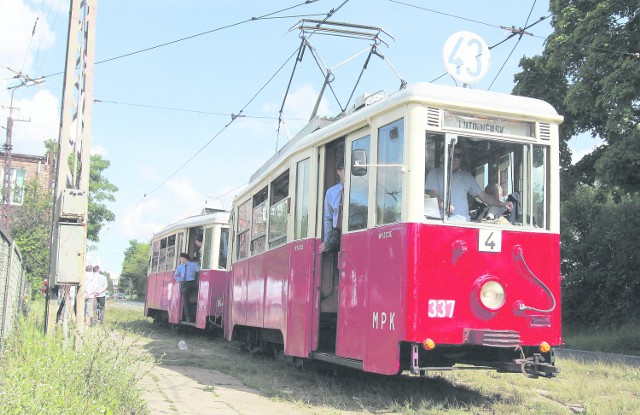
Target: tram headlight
492	295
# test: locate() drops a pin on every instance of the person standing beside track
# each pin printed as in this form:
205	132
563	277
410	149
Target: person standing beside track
186	275
101	288
89	295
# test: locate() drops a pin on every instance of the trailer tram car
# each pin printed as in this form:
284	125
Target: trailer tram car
163	300
411	287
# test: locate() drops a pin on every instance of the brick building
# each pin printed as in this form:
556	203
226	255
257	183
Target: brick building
24	167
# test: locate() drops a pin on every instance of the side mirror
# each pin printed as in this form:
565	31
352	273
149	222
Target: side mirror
358	162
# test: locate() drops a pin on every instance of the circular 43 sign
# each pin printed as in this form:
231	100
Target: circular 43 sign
466	57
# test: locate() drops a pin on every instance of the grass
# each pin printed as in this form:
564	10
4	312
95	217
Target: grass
588	388
621	340
42	374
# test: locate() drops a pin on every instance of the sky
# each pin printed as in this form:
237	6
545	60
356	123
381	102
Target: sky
163	112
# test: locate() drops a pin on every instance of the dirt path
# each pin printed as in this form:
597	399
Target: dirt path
192	390
176	386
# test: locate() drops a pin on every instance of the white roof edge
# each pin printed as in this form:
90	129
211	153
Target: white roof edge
221	218
438	95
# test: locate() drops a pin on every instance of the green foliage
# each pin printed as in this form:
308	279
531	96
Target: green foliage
31	229
600	256
589	71
40	374
594	46
624	339
133	277
100	191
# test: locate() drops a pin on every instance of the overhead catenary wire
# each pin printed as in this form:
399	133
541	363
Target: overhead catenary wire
206	32
513	34
159	107
233	118
520	32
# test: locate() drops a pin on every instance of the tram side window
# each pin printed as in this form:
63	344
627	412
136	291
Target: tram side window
155	253
539	179
259	222
244	221
302	199
206	248
223	250
162	259
390	179
279	211
359	192
171	252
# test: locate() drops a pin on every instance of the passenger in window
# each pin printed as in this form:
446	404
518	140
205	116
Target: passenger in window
495	190
331	216
186	275
494	212
462	184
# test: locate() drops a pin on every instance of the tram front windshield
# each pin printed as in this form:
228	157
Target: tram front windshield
457	168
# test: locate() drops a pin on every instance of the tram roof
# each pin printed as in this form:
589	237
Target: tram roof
218	217
441	96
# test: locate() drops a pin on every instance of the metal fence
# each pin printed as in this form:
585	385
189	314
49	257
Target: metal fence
13	284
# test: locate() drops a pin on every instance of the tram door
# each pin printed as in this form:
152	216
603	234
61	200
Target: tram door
193	248
328	272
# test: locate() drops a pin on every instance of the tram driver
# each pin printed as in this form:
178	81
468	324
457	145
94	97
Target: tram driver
462	184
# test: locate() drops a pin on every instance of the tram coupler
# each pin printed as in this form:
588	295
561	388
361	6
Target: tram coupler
532	367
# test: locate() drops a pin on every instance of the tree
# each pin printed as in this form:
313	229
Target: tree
31	229
589	71
133	277
100	191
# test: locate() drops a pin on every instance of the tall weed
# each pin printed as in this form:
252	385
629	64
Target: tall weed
42	374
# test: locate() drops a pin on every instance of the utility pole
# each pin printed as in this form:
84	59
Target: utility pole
69	227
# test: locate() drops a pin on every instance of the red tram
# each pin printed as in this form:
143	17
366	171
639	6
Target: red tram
163	299
419	283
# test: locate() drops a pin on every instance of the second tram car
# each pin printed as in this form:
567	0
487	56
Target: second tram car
418	283
164	302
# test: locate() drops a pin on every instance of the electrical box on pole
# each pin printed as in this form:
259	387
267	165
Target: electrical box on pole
71	241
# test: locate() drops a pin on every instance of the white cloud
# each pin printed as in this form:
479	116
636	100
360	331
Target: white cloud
37	120
154	213
97	149
137	222
148	173
17	21
18	50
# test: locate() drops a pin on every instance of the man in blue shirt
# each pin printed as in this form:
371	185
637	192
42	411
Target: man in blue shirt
186	275
332	201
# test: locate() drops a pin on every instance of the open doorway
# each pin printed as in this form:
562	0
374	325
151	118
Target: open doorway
330	208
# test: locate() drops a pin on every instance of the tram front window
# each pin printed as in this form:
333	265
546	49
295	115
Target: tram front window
458	169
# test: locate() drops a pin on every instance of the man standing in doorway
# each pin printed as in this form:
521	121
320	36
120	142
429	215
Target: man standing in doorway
186	275
332	204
